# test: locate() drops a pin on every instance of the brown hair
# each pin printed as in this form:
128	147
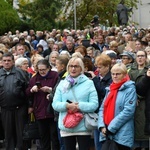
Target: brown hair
88	64
63	60
103	59
83	48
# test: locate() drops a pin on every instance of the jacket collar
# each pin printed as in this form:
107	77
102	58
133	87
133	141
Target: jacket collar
107	76
11	71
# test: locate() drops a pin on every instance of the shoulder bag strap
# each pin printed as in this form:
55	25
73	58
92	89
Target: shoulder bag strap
74	95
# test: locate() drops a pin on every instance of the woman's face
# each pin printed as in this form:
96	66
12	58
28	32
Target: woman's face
138	45
113	61
60	67
140	58
25	66
52	59
42	69
114	48
117	75
103	70
74	69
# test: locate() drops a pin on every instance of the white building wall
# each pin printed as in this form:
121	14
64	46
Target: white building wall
141	15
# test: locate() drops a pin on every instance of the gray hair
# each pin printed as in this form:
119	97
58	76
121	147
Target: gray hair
19	61
53	52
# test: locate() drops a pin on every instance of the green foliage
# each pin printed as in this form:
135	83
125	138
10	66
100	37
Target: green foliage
10	2
105	9
9	17
48	14
41	14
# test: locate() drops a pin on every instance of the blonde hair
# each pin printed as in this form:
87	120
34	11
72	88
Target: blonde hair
34	59
121	67
147	48
77	54
3	48
81	64
113	43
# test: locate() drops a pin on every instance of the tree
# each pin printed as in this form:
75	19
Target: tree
39	14
9	17
105	9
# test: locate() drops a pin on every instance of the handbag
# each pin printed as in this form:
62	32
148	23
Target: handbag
31	130
109	144
72	119
91	121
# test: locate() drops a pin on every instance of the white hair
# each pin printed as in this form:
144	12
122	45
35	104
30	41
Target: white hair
19	61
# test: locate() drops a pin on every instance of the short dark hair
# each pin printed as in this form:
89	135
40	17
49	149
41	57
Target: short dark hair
43	62
18	45
8	55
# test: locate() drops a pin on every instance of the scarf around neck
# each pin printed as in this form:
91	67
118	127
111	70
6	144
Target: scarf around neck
110	102
70	82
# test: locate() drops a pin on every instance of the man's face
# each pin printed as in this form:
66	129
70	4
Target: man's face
55	48
90	53
20	50
7	63
100	39
69	45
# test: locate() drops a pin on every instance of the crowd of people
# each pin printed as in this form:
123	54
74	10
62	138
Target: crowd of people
48	73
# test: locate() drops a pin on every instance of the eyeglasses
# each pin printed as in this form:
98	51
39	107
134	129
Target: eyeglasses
116	74
24	64
140	56
124	58
42	70
74	66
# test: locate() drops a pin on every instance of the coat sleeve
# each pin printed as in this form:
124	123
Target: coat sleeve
58	104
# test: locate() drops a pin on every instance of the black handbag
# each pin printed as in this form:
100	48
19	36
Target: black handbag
31	130
109	145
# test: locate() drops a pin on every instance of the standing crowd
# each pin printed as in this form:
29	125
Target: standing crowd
52	73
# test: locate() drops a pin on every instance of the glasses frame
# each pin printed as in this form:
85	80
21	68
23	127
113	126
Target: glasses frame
116	74
74	66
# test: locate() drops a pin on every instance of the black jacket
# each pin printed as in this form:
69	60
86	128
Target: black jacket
143	89
12	88
100	86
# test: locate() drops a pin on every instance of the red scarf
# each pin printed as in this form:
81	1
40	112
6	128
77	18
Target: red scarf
109	104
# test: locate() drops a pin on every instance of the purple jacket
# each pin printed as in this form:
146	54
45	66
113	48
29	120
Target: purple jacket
40	102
